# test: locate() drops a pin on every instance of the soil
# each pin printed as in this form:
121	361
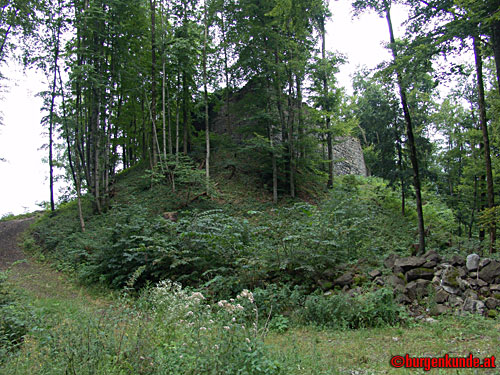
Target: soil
10	232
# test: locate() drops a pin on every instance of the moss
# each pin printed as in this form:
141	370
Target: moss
451	277
492	313
496	295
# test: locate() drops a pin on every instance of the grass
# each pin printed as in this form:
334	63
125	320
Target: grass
368	351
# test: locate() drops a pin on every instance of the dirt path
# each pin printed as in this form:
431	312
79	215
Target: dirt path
10	231
37	278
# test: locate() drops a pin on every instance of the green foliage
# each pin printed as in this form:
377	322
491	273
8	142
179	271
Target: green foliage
14	319
373	309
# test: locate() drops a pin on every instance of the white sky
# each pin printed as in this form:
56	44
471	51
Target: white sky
24	178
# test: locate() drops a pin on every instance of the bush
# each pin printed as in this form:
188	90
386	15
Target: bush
13	320
373	309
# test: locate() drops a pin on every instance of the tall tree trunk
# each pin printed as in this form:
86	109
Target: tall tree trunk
411	140
327	108
155	144
163	114
51	117
185	112
401	176
495	26
74	167
486	142
207	129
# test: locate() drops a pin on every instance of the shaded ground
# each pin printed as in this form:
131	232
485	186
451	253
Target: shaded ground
38	279
10	231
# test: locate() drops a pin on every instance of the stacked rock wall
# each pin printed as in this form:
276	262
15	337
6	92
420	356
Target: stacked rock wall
470	285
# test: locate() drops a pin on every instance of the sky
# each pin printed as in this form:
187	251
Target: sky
24	177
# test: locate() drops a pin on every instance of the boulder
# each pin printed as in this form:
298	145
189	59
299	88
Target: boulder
457	260
441	296
389	261
420	273
417	289
495	288
450	277
484	262
490	272
374	274
344	280
473	306
432	255
379	281
478	283
409	263
439	310
472	263
395	280
455	301
492	303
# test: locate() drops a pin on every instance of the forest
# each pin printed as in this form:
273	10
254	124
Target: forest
193	143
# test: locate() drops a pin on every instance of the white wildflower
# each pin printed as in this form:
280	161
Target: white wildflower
247	340
203	329
227	328
233	320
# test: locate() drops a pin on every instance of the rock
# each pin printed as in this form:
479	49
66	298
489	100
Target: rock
472	263
433	256
409	263
473	275
492	314
439	310
462	272
379	281
417	289
402	299
470	294
430	264
420	273
438	272
436	280
441	296
495	288
484	291
455	301
484	262
389	261
395	280
492	303
463	284
451	289
450	277
344	280
457	260
374	274
473	306
490	272
430	320
477	283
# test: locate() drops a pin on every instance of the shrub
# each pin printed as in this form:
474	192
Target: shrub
372	309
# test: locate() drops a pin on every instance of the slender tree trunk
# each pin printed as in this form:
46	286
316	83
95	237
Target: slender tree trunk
486	141
153	81
75	167
163	113
185	112
401	176
207	129
495	25
177	121
51	119
327	108
411	141
226	75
